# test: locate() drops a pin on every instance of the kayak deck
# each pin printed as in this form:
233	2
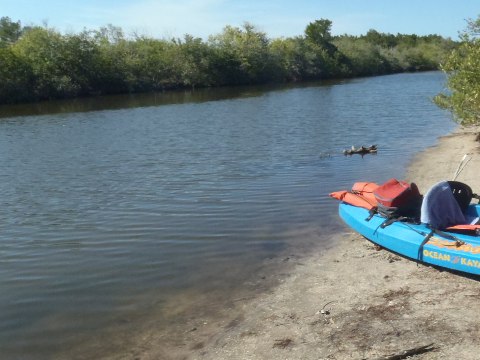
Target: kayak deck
407	239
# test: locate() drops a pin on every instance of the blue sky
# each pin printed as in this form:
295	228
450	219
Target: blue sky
174	18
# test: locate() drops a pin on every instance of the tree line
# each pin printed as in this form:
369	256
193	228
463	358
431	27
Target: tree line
39	62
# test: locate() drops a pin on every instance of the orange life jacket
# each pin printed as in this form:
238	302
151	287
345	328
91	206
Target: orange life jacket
464	229
361	195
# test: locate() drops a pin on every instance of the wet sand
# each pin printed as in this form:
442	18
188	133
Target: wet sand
353	301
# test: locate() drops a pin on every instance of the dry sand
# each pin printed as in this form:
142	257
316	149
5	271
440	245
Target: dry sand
354	301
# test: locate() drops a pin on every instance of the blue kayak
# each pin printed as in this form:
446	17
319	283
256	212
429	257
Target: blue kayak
460	252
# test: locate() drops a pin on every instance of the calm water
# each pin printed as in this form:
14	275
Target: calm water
108	215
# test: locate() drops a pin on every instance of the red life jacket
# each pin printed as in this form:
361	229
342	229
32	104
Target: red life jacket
395	193
397	198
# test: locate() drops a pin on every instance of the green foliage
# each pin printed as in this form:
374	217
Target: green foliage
38	63
150	65
287	59
15	77
318	33
9	31
324	60
240	55
42	49
194	62
365	57
463	69
382	40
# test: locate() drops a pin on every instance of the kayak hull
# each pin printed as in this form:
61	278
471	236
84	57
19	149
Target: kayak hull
408	240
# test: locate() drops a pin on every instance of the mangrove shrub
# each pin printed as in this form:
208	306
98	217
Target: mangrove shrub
463	70
39	62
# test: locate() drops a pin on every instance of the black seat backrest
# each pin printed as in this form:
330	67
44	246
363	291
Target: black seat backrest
462	193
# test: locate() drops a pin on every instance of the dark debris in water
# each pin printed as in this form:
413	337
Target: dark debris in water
362	150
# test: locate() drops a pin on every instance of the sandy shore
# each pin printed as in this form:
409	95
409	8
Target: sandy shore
355	301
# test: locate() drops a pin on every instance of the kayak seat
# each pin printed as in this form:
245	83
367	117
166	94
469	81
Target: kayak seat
441	208
462	193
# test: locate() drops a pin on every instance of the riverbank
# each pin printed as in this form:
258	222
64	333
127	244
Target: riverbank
356	301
